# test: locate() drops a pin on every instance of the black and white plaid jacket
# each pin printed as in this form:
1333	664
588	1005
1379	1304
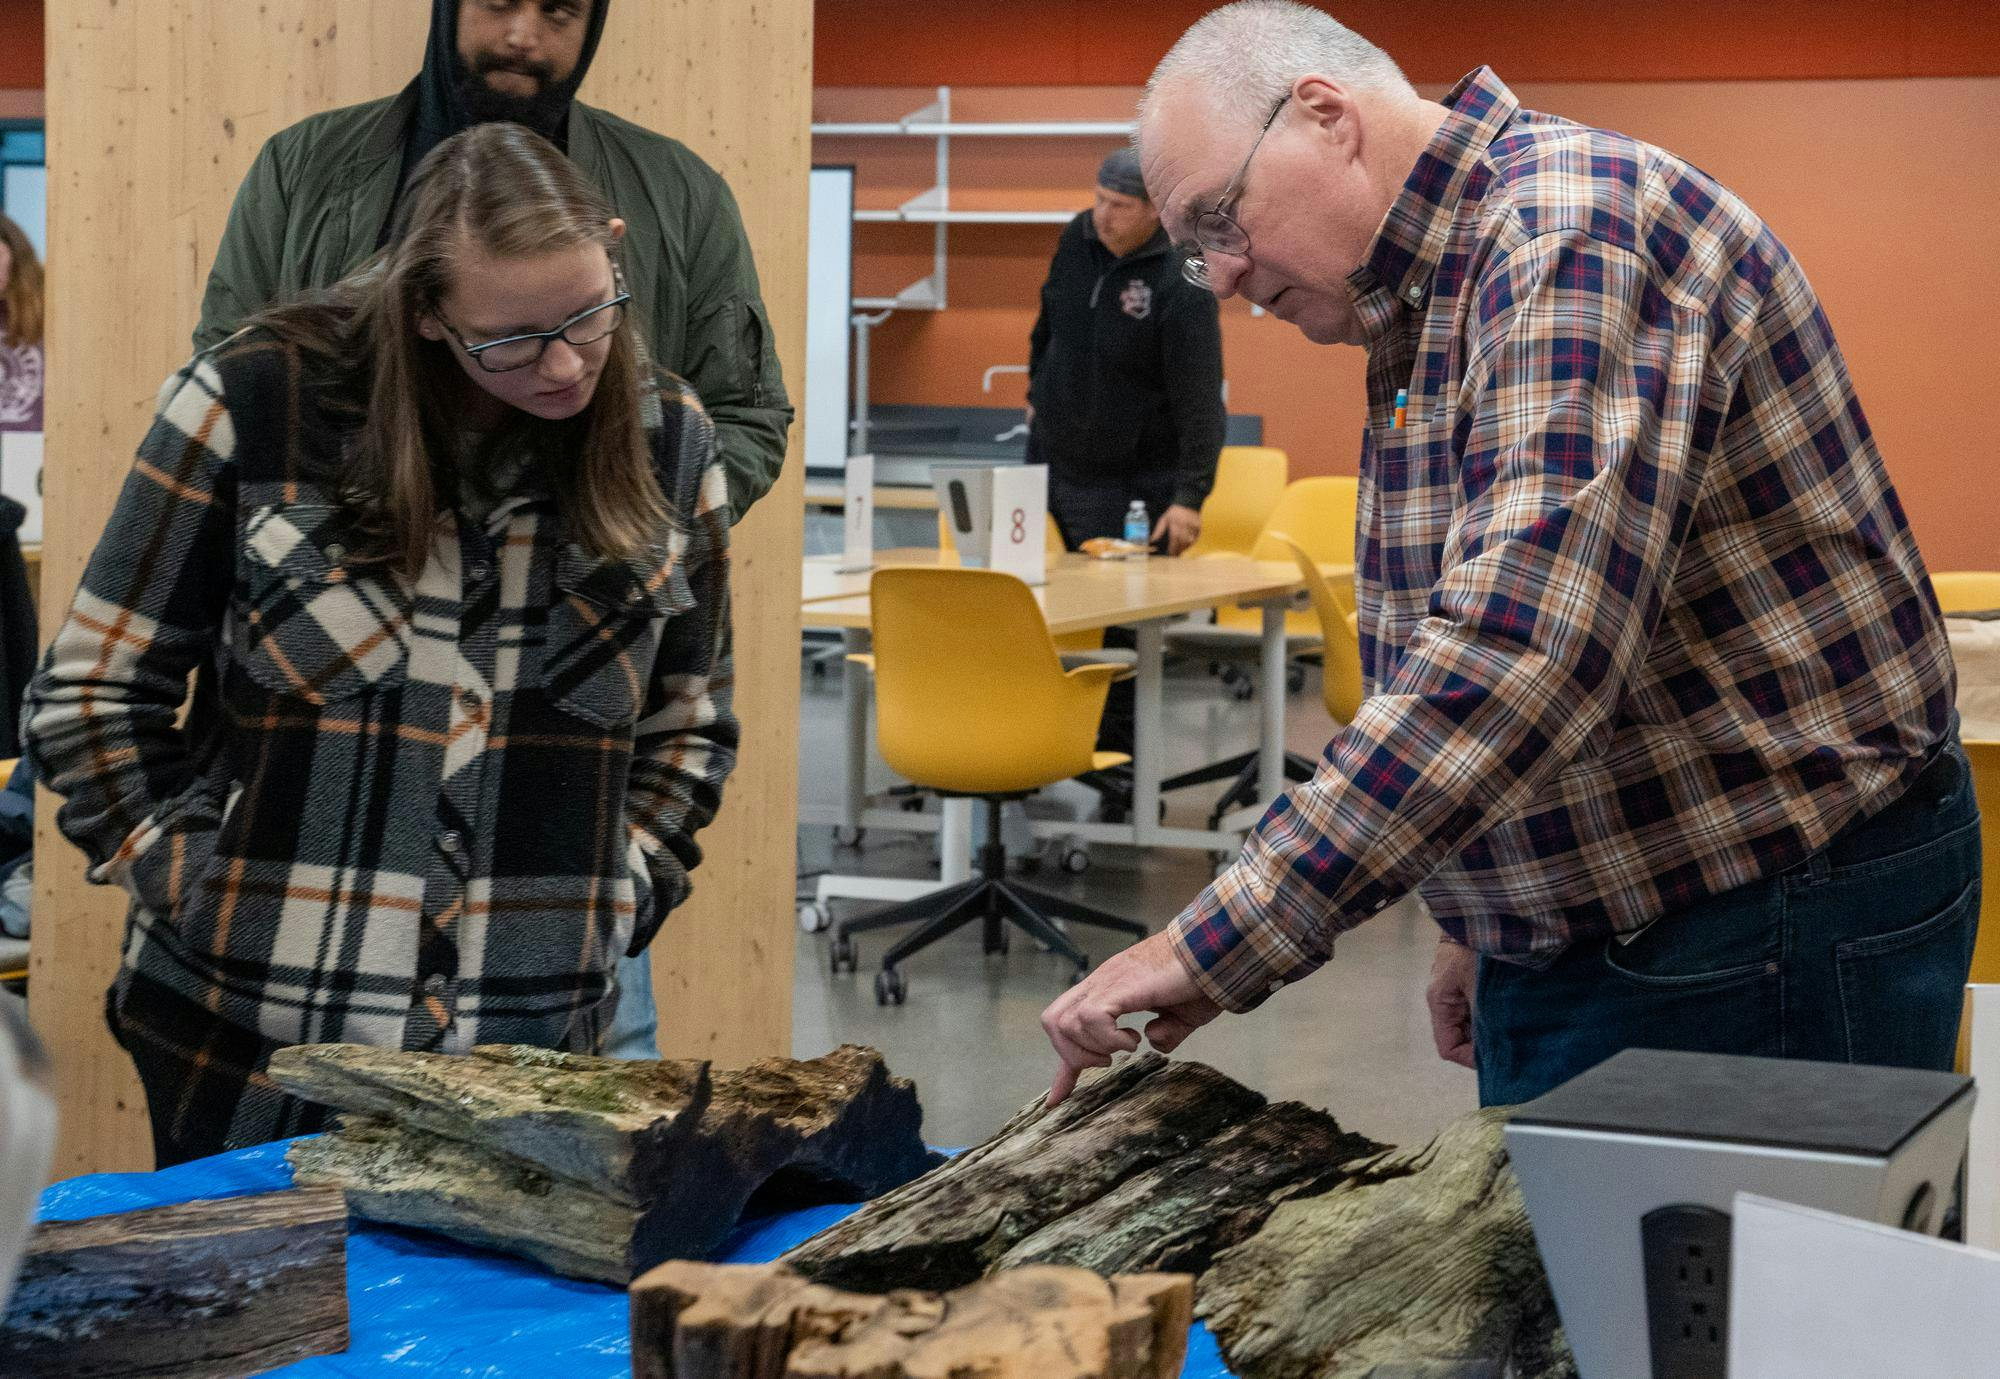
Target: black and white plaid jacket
419	817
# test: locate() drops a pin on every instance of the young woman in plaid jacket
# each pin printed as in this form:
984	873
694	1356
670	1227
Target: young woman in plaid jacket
446	565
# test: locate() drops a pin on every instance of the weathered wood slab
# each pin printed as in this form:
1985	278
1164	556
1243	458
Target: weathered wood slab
1423	1265
201	1290
1150	1165
763	1321
598	1168
604	1123
1178	1215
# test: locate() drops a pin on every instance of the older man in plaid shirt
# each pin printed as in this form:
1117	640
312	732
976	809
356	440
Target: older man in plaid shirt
1660	704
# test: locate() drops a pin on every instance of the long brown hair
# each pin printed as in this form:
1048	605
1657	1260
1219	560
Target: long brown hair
24	288
510	193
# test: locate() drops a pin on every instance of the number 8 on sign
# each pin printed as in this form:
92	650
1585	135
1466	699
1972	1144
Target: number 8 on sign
1020	526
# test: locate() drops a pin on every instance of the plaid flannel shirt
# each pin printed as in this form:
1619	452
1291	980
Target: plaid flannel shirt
1641	615
421	816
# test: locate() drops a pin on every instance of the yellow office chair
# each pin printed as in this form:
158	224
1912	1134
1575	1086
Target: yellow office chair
1317	514
1985	759
1341	681
971	700
1249	481
1967	591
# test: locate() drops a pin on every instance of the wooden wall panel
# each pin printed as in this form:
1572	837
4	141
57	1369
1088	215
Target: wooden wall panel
155	111
734	82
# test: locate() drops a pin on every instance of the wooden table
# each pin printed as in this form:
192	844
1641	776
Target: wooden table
1081	595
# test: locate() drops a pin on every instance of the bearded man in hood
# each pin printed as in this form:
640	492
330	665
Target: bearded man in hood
319	199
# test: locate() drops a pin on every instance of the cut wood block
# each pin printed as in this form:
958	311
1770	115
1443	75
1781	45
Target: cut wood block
1152	1164
201	1290
763	1321
598	1168
1422	1265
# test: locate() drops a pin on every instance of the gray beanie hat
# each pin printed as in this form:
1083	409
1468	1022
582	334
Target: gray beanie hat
1119	172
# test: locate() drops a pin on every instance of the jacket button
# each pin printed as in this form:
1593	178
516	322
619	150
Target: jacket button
434	984
479	571
336	553
450	840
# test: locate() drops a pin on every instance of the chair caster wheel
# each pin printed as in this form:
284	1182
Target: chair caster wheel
890	987
1295	679
1076	861
814	917
1243	691
848	837
1079	974
843	956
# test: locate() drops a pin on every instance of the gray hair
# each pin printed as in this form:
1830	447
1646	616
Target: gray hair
1245	57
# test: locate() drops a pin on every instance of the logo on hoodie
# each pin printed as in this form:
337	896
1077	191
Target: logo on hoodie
1137	299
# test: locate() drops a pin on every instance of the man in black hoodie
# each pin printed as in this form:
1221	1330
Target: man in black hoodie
1124	387
318	201
1124	373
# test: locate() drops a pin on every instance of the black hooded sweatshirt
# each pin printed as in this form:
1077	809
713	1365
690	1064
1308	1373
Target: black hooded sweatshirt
441	107
1125	368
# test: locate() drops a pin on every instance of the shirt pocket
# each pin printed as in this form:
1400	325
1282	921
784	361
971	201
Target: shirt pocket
603	632
312	628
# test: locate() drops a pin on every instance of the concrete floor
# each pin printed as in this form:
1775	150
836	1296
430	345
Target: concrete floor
1354	1040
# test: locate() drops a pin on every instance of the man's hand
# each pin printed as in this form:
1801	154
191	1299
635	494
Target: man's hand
1083	1025
1180	526
1454	972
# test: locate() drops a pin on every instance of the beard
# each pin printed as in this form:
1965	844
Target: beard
544	112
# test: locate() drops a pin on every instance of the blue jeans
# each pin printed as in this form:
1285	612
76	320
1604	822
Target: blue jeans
635	1026
1857	955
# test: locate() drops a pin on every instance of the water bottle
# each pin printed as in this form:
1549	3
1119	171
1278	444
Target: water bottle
1138	526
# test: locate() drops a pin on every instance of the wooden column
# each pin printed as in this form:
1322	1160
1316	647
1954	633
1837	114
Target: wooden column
733	81
155	111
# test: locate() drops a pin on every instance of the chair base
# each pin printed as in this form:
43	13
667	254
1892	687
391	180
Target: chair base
1242	772
989	899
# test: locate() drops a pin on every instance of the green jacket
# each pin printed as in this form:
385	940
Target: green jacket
312	208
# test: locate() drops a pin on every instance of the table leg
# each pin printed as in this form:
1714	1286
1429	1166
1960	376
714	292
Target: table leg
854	704
1271	694
1148	731
955	840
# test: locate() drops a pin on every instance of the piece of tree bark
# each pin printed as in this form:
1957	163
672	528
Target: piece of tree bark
598	1168
199	1290
1150	1165
763	1321
1422	1266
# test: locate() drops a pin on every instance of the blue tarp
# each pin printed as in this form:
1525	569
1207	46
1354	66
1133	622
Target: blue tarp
421	1305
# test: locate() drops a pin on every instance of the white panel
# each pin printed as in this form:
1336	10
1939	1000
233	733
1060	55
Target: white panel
829	298
1819	1296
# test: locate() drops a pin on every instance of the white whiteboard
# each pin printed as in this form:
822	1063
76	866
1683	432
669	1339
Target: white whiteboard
829	298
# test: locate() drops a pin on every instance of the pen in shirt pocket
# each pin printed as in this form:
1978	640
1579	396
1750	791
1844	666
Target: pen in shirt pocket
1402	410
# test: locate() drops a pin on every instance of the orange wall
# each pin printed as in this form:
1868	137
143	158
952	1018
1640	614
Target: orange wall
1886	190
20	44
1116	42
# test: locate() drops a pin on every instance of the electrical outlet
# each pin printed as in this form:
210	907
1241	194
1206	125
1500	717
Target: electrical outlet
1687	1290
